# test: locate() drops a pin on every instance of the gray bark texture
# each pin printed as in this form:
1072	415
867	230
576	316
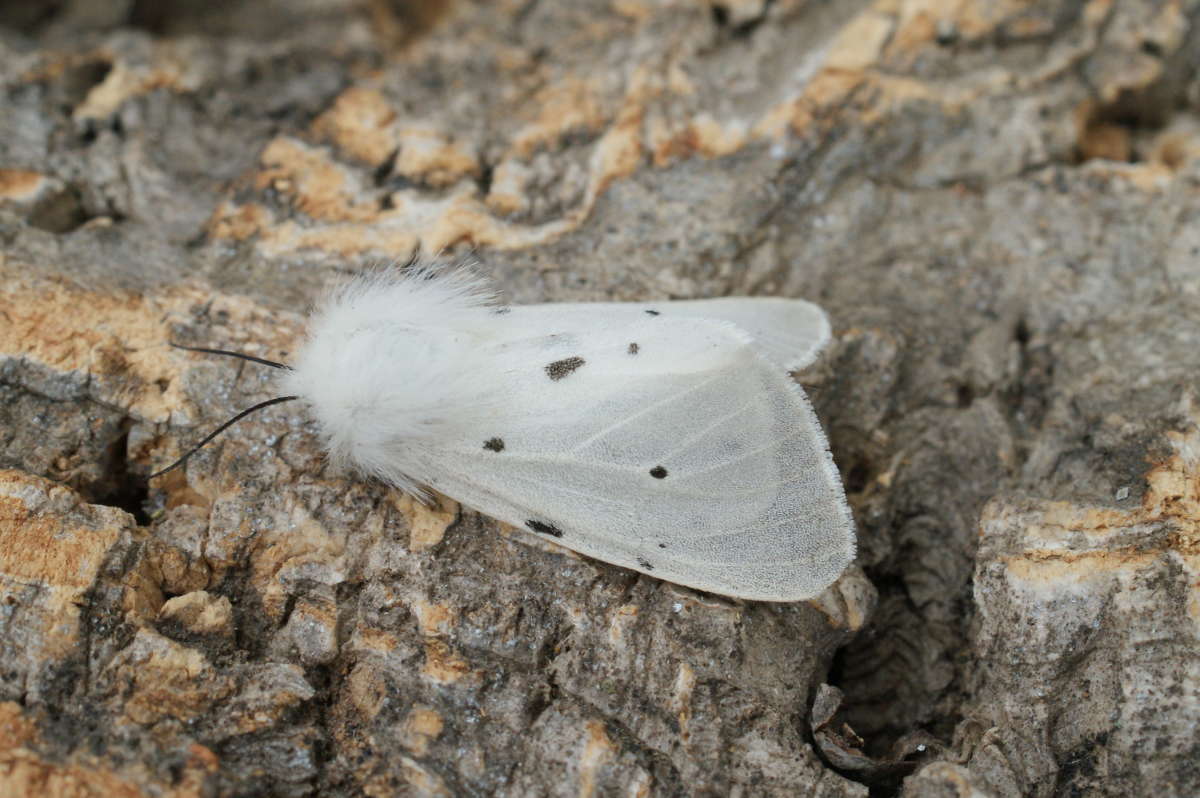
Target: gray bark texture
997	202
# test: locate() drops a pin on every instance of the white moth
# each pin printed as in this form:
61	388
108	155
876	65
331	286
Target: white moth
667	438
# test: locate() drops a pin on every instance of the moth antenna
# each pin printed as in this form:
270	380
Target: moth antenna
414	257
239	355
277	400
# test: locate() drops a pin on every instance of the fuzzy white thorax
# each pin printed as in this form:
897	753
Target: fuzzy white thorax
387	366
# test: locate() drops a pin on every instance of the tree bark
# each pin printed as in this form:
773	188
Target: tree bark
996	203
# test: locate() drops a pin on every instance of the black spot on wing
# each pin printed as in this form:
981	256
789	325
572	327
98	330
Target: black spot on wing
633	348
658	472
561	368
662	545
644	563
653	313
494	444
500	311
545	529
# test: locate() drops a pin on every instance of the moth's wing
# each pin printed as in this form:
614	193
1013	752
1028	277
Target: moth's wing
664	445
790	332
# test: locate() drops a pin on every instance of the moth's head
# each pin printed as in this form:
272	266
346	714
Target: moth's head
381	367
373	387
335	376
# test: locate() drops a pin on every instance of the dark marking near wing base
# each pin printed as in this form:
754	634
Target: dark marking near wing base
658	472
561	368
545	529
633	349
494	444
643	562
500	311
652	313
662	545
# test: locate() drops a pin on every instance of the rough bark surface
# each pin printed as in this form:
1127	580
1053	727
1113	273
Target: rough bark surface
997	201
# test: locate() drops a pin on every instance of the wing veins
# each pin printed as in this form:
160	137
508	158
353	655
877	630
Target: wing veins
740	458
571	491
676	493
617	467
701	433
649	408
745	528
551	458
624	469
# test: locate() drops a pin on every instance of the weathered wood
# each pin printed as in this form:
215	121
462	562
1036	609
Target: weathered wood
995	201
